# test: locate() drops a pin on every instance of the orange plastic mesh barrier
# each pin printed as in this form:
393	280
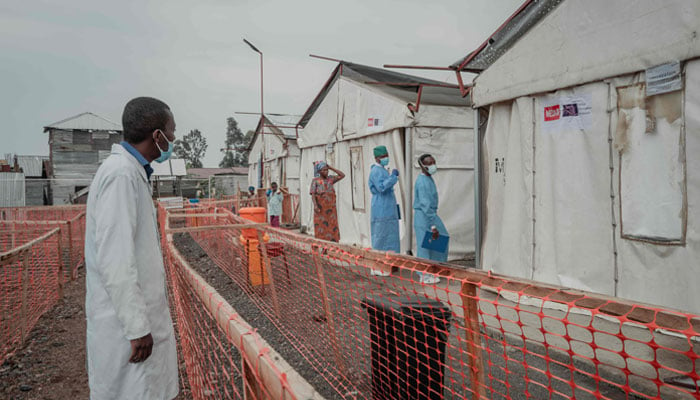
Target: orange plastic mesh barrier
30	283
41	248
473	335
70	219
224	356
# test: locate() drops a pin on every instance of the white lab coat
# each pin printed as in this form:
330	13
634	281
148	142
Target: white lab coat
126	293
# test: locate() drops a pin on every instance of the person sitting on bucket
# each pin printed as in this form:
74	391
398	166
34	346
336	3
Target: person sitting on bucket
275	197
425	218
384	211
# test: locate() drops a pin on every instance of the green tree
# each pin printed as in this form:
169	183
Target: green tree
191	148
236	145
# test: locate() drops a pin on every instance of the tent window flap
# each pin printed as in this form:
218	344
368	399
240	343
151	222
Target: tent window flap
649	138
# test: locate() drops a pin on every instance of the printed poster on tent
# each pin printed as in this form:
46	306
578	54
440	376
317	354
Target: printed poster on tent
566	113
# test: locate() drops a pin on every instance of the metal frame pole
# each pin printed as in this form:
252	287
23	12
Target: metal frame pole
477	191
262	103
408	174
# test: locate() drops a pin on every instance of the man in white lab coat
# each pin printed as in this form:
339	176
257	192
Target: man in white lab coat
130	340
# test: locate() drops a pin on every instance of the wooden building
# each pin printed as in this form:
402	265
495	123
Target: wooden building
37	188
77	145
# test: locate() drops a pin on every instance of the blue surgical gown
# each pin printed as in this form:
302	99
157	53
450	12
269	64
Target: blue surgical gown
425	205
384	212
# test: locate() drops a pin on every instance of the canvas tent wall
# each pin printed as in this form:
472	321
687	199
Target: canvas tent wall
274	154
591	181
352	114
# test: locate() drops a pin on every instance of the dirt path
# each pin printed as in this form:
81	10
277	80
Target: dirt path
51	365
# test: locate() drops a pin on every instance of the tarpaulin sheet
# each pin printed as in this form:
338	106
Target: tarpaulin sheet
574	202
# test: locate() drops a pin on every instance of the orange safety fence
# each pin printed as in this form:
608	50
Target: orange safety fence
30	281
290	209
224	356
473	335
290	205
70	220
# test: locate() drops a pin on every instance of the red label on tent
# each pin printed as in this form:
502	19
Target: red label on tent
552	113
370	121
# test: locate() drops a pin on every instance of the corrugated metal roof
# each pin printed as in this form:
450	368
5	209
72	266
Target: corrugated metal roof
172	167
12	193
204	173
407	91
31	165
86	121
527	16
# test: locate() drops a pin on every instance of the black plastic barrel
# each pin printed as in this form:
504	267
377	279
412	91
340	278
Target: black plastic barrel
408	336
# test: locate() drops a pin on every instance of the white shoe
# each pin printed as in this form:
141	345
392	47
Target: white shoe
429	279
379	272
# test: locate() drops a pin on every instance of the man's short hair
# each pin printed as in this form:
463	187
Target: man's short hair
422	157
273	183
142	116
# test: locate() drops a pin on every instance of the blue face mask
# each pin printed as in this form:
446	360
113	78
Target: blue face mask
164	155
432	169
384	161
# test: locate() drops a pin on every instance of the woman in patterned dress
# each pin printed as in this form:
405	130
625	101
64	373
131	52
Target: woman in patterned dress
323	197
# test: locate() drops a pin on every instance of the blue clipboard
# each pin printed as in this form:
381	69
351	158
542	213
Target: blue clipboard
439	244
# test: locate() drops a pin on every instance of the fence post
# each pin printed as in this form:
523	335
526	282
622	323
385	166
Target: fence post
70	249
251	385
327	311
473	337
268	268
25	289
59	252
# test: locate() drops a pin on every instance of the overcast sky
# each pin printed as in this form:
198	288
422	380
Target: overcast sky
62	58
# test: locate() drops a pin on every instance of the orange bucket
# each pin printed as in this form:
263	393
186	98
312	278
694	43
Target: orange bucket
253	214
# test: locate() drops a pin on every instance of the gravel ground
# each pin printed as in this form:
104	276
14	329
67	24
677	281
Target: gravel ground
252	314
51	365
512	382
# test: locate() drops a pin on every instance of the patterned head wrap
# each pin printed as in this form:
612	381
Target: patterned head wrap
319	166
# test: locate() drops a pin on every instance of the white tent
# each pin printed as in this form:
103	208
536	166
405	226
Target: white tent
274	154
362	107
170	169
167	176
589	155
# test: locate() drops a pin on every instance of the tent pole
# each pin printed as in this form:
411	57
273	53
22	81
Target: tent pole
408	176
477	191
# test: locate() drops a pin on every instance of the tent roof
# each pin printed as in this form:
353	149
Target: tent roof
285	123
398	85
517	25
579	42
86	121
172	167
